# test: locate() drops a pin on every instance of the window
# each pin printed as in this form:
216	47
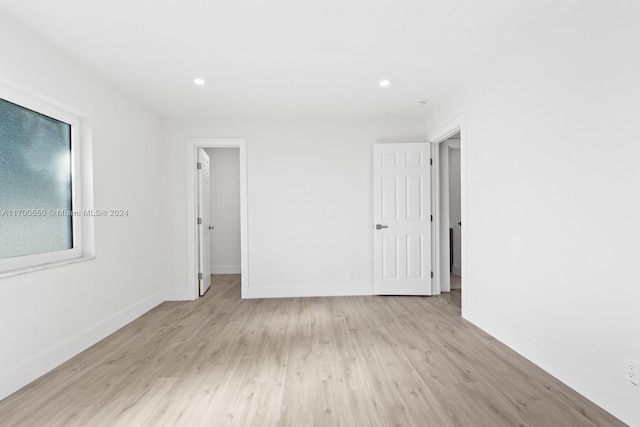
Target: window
40	206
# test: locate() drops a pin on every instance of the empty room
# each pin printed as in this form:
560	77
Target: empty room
319	213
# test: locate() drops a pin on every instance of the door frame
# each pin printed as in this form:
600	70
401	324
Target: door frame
192	146
444	151
442	224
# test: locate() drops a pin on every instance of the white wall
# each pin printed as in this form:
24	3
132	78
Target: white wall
309	202
454	206
49	316
552	152
225	210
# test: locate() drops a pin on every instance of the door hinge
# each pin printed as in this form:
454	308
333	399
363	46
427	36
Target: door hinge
431	161
431	218
199	221
199	165
432	274
199	276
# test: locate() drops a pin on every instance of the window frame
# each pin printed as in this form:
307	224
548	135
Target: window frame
41	105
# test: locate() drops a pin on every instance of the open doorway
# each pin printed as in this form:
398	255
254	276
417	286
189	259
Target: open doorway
217	245
451	154
449	201
450	218
224	215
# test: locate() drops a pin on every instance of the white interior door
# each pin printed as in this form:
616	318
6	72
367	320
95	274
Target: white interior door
402	219
204	222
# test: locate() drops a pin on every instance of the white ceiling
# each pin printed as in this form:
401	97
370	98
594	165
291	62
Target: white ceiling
283	57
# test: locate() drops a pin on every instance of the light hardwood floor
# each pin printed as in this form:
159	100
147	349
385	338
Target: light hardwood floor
347	361
455	281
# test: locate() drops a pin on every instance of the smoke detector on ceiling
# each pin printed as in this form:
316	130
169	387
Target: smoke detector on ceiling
420	104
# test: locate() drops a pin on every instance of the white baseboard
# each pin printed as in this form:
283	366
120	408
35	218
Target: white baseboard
604	394
225	269
19	376
346	289
455	269
178	295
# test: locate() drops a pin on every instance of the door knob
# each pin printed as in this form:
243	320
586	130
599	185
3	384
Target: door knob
380	226
211	227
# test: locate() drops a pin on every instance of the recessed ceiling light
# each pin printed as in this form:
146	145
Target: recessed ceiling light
199	82
385	83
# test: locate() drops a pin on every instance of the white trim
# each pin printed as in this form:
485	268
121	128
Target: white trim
450	129
444	225
86	187
180	294
435	224
13	87
41	267
609	396
191	228
29	370
293	291
226	269
442	203
441	135
453	143
81	183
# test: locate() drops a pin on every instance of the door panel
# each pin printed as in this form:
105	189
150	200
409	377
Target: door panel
414	160
204	207
402	219
414	256
389	160
415	206
389	198
390	256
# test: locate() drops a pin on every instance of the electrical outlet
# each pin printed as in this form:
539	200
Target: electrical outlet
632	370
350	273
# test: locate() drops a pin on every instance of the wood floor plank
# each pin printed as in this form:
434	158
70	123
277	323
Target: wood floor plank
348	361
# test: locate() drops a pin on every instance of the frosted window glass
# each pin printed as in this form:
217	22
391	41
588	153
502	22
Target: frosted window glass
35	182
